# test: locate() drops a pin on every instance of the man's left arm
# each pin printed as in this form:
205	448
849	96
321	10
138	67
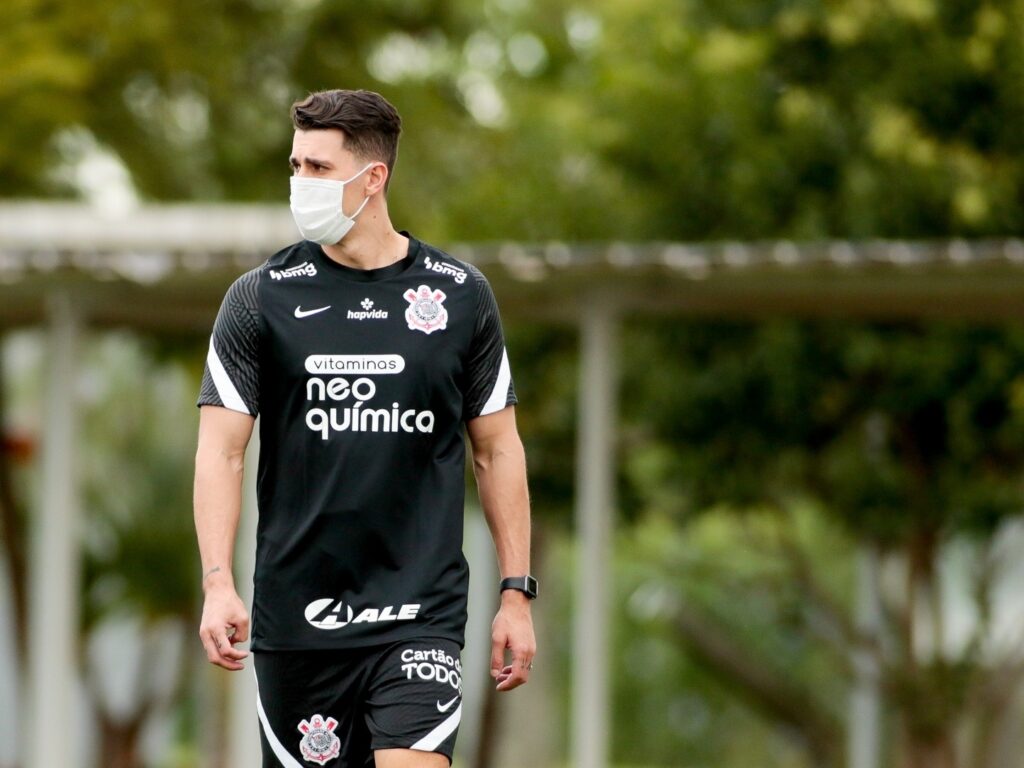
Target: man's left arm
499	463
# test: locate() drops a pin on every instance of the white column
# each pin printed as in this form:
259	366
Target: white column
54	564
244	735
864	745
594	503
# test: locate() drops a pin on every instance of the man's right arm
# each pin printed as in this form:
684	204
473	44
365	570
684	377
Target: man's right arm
223	437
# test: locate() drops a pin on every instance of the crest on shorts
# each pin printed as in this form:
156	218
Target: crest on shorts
426	310
319	744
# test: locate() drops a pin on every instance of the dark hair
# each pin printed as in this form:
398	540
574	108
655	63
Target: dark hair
370	124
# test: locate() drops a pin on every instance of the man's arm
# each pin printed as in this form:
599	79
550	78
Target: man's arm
499	464
223	437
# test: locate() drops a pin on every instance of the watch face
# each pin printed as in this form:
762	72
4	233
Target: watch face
531	586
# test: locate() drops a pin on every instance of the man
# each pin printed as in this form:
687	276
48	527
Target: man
364	351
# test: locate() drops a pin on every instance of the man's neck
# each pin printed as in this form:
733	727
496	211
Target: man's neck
371	244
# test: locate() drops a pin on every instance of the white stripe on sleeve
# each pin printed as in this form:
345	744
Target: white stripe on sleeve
499	395
282	754
433	740
225	388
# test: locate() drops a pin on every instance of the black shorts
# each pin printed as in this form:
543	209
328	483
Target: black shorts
318	707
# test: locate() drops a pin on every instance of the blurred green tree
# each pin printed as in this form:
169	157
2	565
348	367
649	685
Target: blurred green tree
640	120
140	587
680	120
908	439
744	120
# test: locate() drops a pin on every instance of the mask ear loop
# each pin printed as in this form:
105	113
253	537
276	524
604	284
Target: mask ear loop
365	199
360	208
365	167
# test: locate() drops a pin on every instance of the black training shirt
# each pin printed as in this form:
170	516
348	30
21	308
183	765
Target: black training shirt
363	380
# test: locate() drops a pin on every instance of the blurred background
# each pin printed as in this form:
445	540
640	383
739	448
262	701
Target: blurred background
762	288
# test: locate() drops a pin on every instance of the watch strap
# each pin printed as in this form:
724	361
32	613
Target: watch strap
525	584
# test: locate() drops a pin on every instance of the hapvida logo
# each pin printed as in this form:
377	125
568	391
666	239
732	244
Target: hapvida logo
367	312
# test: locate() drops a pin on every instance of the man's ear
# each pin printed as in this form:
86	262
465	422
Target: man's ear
376	178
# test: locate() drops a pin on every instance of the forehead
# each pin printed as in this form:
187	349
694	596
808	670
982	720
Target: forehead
327	143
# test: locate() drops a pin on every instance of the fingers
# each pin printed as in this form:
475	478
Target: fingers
512	676
506	680
518	672
213	652
226	646
512	630
225	623
219	648
240	632
497	654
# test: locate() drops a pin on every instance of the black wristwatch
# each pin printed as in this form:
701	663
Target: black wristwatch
525	584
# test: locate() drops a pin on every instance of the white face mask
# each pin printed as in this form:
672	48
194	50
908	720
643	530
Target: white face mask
316	208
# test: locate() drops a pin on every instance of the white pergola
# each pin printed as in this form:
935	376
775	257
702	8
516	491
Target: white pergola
163	269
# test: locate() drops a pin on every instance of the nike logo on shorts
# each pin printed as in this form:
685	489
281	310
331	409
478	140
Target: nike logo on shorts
446	707
301	313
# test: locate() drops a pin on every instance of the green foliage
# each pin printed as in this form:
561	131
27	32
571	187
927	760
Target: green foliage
907	436
897	429
546	385
140	545
529	120
604	120
859	119
669	709
171	88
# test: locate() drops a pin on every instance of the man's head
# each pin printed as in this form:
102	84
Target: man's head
370	126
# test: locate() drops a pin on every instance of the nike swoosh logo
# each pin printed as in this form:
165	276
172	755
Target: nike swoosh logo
301	313
447	706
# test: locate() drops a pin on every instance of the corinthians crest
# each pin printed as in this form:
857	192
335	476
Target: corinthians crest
426	311
319	744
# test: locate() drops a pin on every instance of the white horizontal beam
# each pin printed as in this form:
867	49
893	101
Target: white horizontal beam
213	228
209	227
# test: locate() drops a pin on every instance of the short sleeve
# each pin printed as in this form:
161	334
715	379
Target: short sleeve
489	379
231	377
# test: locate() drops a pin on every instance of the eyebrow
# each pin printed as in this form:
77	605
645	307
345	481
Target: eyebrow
294	162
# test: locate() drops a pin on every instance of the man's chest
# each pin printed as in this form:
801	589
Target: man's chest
391	346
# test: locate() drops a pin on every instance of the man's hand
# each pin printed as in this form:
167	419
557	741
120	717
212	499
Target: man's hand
225	622
513	630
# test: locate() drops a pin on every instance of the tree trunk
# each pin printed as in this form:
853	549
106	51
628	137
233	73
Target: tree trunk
936	753
13	535
487	744
119	742
770	691
931	713
14	541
